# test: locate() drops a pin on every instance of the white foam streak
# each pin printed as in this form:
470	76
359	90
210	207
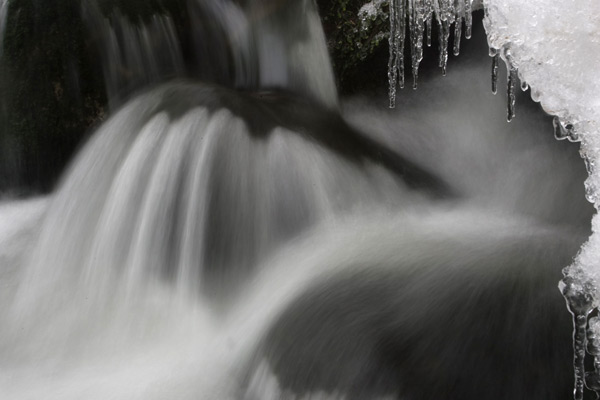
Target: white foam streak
134	54
126	193
194	205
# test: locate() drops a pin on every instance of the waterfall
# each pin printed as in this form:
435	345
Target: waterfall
233	231
171	177
135	54
248	46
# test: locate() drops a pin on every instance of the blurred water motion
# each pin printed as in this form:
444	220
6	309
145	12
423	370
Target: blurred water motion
238	239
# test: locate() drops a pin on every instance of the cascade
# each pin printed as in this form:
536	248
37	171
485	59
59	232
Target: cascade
260	51
135	54
233	230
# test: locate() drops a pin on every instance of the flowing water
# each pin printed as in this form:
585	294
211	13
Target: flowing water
240	240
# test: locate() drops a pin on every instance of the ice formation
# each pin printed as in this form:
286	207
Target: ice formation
449	15
420	15
554	48
557	53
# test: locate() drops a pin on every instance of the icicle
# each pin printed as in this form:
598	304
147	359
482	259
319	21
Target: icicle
445	17
412	37
580	305
396	43
420	15
495	58
400	36
444	35
459	14
592	379
579	340
468	19
392	58
457	35
428	29
428	15
512	83
416	20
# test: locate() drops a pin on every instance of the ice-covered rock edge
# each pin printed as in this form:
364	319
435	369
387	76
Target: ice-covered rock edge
555	47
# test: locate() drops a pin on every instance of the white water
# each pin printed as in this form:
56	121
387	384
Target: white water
135	54
156	344
108	327
209	245
249	46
